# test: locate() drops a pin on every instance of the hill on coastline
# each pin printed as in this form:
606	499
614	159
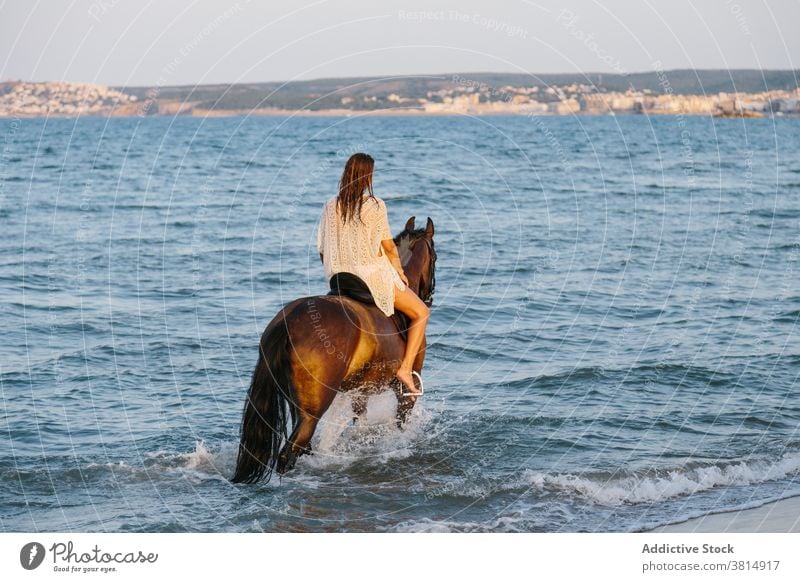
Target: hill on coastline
365	93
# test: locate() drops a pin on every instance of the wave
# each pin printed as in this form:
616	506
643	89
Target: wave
674	483
633	374
202	461
59	474
515	521
787	316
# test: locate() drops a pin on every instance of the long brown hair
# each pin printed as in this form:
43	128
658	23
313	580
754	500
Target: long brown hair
356	179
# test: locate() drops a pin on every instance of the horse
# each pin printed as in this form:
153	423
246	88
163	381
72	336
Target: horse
317	347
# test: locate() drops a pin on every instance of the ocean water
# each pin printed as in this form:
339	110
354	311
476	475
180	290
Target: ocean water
613	341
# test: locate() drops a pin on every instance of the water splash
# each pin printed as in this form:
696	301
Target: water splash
340	442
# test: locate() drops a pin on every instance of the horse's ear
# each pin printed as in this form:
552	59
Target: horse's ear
429	228
410	224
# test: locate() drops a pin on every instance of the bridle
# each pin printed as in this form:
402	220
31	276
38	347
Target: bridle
427	299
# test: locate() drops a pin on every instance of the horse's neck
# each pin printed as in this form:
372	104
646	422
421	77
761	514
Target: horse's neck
413	271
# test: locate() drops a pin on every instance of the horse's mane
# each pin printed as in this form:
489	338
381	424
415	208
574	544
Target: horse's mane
406	239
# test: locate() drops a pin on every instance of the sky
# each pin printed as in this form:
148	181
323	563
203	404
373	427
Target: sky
185	42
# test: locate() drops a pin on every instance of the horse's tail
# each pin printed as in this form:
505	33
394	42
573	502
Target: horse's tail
269	402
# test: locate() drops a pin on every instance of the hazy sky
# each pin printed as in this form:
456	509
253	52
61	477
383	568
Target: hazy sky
145	42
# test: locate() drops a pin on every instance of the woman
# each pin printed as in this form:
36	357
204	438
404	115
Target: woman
354	237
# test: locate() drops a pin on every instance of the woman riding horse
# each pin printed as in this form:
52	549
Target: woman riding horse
354	237
317	347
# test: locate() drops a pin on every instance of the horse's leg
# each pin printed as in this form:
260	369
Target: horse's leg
404	403
313	398
359	406
298	443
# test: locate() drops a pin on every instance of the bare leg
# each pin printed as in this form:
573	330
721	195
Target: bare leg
409	303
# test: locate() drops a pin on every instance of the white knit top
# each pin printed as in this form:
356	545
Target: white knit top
355	248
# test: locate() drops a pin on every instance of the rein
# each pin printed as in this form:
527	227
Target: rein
427	298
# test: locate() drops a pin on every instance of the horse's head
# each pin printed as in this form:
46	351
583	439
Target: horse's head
418	257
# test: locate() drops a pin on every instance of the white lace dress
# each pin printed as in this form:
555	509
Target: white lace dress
355	248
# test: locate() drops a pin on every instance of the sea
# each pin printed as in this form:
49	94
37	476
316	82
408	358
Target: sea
613	342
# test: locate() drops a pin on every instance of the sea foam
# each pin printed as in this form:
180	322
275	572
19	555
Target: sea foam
672	483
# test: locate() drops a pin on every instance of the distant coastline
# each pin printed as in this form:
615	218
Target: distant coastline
225	113
394	112
721	94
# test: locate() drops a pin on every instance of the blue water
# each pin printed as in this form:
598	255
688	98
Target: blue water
613	341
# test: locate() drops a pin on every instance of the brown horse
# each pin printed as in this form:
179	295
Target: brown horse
316	347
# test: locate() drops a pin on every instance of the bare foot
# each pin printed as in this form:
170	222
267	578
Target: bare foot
407	379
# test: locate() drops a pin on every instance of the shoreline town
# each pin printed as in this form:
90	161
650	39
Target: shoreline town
459	96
